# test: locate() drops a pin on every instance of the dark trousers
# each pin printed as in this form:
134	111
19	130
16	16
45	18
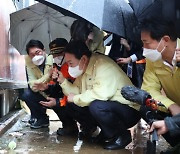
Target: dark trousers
113	117
82	115
32	100
38	111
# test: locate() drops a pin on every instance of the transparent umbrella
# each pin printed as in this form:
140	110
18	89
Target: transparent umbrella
38	22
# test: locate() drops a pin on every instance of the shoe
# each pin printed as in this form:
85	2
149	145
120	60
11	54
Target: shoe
119	142
31	120
70	130
99	139
39	123
86	133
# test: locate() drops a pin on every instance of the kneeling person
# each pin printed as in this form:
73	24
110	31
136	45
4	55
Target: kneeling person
95	97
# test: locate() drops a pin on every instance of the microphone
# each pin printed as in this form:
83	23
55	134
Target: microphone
142	98
134	94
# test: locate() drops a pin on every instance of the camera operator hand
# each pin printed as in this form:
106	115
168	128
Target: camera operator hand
160	127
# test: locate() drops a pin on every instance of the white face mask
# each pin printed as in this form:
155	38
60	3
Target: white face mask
153	54
38	60
59	60
75	71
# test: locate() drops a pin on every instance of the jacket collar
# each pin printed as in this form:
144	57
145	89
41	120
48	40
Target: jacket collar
92	63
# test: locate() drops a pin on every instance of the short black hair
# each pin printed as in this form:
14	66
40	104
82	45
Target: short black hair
158	28
80	30
34	43
78	49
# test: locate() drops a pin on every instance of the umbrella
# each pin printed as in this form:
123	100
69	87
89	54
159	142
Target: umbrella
146	8
166	9
38	22
114	16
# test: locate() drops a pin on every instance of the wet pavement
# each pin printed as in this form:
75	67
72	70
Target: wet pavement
46	141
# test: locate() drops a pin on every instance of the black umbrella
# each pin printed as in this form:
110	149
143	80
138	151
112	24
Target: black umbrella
146	8
166	9
114	16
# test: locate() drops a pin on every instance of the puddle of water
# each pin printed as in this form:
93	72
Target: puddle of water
45	140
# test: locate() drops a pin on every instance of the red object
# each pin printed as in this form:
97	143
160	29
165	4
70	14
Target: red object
63	101
64	71
152	104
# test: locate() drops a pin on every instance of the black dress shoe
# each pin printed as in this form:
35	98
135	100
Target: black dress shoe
86	133
99	139
39	123
120	142
70	130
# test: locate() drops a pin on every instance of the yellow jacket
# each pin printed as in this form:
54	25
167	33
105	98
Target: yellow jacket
35	75
158	76
97	45
102	80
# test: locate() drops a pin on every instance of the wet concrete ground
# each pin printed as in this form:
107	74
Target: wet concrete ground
46	141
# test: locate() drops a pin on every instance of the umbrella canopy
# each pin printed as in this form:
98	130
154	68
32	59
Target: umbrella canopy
166	9
146	8
114	16
38	22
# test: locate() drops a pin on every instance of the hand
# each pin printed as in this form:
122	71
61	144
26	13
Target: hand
55	74
70	97
125	43
49	103
123	60
60	77
174	109
40	86
178	55
160	126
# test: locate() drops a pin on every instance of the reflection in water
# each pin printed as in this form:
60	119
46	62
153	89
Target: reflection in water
45	140
78	145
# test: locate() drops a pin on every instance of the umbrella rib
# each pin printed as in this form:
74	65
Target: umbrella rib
59	22
30	32
47	8
50	15
40	13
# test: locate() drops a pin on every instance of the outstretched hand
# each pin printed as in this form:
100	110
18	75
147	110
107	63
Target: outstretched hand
49	103
40	86
70	97
123	60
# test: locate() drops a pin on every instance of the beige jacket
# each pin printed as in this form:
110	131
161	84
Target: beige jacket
35	75
158	76
102	80
97	45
